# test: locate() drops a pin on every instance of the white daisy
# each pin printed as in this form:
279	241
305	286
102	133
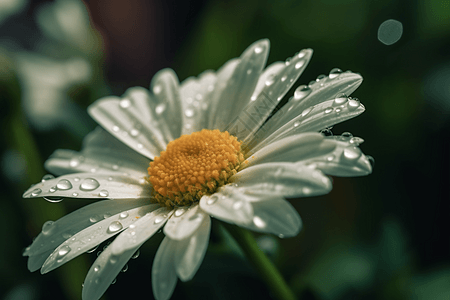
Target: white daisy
210	152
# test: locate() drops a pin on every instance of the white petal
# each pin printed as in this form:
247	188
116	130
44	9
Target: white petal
67	226
308	96
141	230
141	99
104	160
184	222
282	179
346	160
227	206
318	117
195	95
292	149
241	84
165	88
146	137
191	251
35	262
164	277
223	75
252	116
94	235
103	272
268	73
275	216
92	186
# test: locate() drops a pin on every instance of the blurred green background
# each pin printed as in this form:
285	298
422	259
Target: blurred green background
384	236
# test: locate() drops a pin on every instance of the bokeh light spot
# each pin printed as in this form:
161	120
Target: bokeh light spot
390	31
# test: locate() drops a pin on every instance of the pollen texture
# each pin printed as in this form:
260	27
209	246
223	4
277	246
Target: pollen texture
194	165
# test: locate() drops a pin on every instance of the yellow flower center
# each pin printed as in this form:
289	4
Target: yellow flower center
194	165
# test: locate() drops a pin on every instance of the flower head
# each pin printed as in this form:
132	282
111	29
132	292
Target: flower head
177	155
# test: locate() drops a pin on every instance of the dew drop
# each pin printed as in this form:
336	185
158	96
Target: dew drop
125	268
48	227
249	71
36	192
258	50
340	99
115	128
328	110
64	185
67	236
158	219
89	184
356	141
238	205
299	64
136	254
335	73
283	78
353	103
47	177
93	249
371	160
213	199
53	199
97	268
345	136
76	179
338	110
330	158
125	103
134	132
74	162
63	251
114	227
103	193
259	222
160	108
106	216
189	113
95	219
307	111
157	89
52	189
351	153
123	215
296	124
114	281
301	92
320	77
270	80
288	61
140	146
179	212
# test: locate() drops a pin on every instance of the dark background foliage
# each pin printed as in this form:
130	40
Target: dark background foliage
384	236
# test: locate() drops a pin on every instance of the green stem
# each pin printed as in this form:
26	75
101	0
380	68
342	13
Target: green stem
267	270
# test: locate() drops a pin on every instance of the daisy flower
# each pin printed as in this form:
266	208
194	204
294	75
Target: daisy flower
211	146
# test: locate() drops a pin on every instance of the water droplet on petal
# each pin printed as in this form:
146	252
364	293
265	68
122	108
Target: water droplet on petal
74	162
259	222
103	193
335	73
258	50
36	192
331	157
76	179
353	103
53	199
125	103
63	251
340	99
114	227
320	77
351	153
136	254
296	124
283	78
237	205
160	108
328	110
371	160
106	216
125	268
97	268
299	64
48	227
94	219
269	80
159	219
134	132
93	249
301	92
345	136
356	141
115	128
249	71
63	185
114	281
213	199
179	212
89	184
52	189
47	177
189	113
157	89
307	111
